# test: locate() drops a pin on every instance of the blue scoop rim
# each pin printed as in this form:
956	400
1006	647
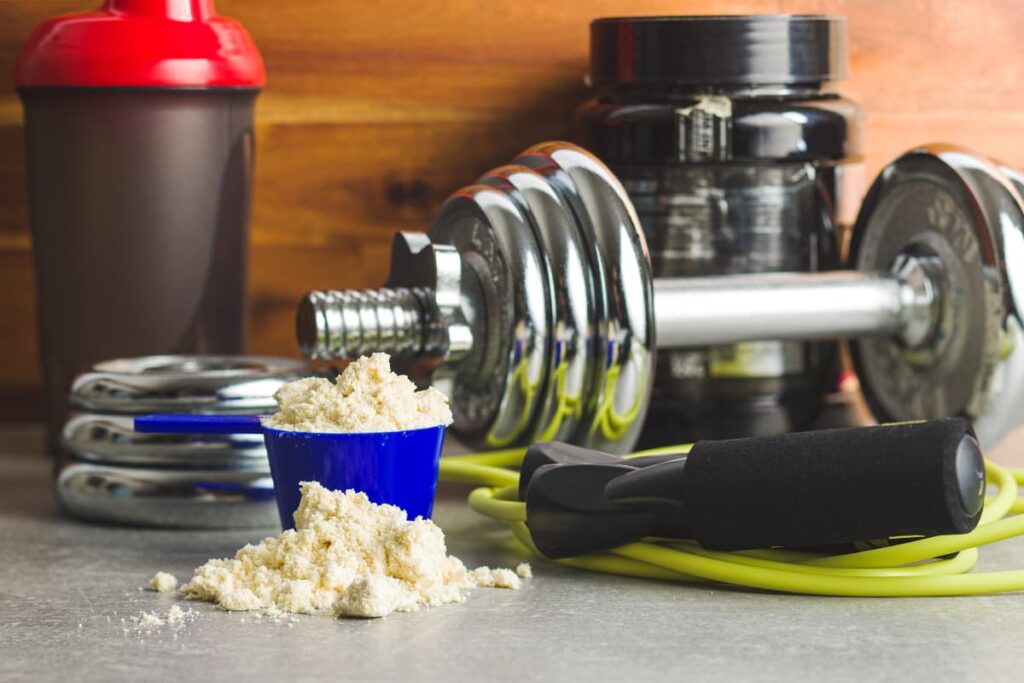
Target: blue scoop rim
190	423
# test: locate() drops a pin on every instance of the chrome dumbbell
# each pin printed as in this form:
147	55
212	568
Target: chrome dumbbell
531	301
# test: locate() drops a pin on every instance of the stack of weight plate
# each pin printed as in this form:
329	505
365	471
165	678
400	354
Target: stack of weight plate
112	474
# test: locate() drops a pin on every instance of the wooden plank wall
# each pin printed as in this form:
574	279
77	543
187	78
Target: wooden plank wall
374	111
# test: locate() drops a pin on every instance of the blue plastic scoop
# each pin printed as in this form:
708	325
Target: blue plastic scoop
397	468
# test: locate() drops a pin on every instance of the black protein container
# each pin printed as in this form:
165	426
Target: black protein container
139	150
740	157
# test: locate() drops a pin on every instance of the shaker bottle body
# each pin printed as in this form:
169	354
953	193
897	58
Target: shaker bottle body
139	201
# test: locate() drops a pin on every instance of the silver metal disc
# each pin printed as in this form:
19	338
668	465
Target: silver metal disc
946	205
1004	409
570	352
214	384
112	439
170	498
623	334
495	386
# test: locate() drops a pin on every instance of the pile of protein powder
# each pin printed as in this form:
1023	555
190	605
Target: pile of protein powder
347	556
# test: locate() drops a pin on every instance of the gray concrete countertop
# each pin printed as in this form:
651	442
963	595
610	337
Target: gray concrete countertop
66	585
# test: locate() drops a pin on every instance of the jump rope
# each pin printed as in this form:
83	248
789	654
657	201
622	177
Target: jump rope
934	566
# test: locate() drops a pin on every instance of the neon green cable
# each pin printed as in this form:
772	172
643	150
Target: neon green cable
663	450
792	582
487	502
911	568
472	473
605	563
962	562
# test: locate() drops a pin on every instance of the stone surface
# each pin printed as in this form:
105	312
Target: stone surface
564	625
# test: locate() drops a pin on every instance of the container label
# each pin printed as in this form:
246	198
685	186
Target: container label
705	130
756	359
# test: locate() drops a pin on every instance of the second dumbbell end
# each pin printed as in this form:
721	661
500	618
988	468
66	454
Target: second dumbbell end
727	309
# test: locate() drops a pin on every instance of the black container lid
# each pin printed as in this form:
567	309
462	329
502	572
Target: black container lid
754	50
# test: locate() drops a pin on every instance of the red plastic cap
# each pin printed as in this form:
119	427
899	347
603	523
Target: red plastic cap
142	43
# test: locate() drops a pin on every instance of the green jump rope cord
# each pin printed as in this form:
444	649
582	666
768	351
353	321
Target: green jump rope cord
934	566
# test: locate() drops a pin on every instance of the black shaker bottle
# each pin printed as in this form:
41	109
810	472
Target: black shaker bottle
139	145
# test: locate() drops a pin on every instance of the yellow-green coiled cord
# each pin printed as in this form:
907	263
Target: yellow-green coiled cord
913	568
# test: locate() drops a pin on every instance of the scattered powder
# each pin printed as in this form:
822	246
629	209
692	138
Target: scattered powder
176	618
163	582
524	570
175	615
346	556
147	619
496	578
366	397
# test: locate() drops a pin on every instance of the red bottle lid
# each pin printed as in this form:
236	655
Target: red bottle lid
141	43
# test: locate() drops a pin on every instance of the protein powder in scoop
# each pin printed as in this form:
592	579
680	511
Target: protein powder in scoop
366	397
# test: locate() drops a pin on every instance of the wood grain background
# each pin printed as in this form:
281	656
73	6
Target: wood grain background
375	111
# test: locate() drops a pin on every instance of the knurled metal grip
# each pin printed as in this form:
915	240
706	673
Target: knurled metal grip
531	301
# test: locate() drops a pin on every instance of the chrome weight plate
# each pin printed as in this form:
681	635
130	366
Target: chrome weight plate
112	439
945	205
495	386
570	351
1005	407
183	499
623	333
215	384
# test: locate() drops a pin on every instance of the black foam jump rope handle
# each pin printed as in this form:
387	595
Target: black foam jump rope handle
835	486
827	487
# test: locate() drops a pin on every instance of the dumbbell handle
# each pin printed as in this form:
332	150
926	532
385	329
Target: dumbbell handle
725	309
693	311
